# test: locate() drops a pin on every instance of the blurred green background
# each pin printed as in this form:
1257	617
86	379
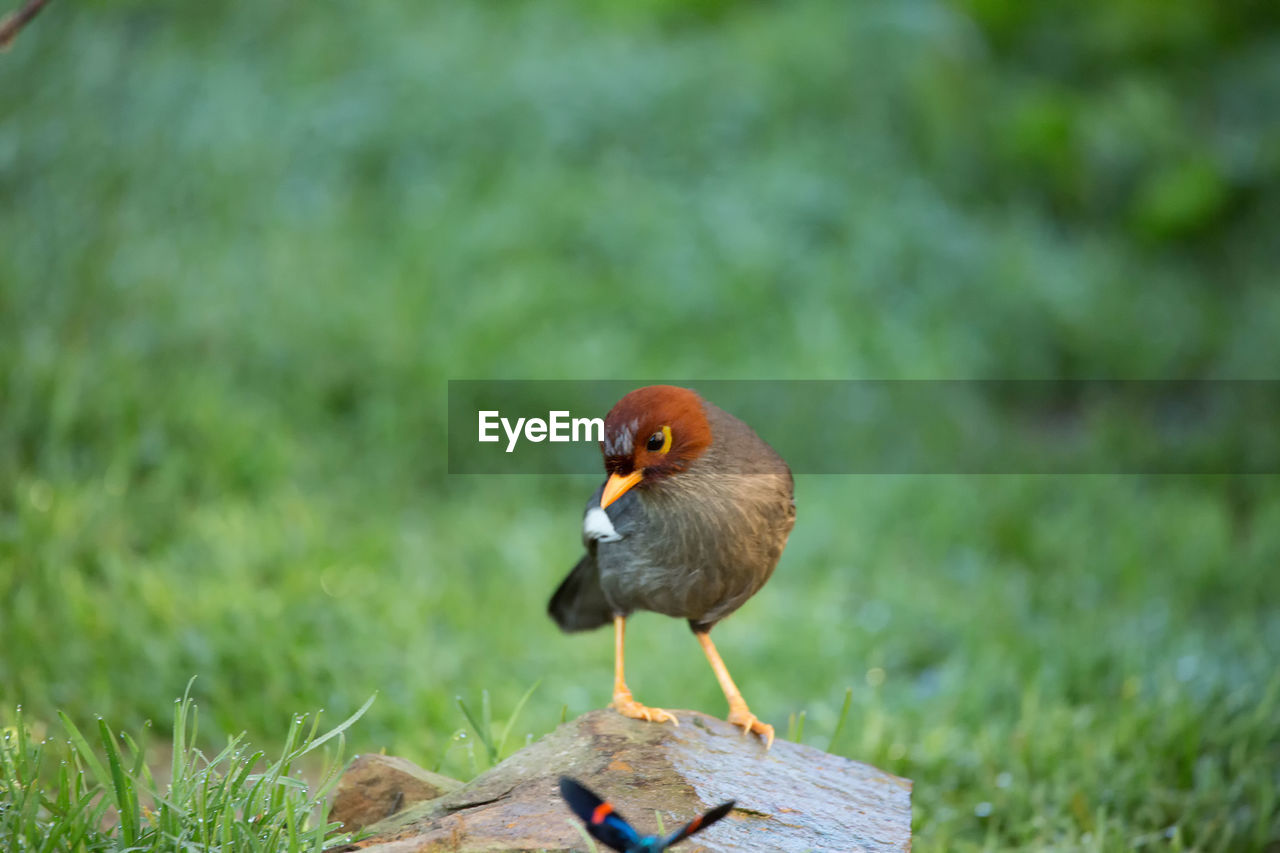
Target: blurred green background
244	246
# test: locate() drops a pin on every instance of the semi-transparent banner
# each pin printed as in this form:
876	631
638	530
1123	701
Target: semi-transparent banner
899	426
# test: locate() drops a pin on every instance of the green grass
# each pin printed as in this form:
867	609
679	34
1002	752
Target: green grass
99	795
243	247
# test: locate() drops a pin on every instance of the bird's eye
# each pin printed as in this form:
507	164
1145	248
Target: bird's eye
660	441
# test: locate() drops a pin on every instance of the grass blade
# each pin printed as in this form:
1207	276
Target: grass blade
81	750
586	837
795	727
479	730
844	715
341	727
126	797
515	713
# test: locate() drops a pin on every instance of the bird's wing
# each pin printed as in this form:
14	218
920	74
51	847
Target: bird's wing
579	603
602	821
699	823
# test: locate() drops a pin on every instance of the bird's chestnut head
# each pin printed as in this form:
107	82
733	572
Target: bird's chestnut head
652	433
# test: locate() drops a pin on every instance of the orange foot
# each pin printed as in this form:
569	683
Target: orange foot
740	715
625	705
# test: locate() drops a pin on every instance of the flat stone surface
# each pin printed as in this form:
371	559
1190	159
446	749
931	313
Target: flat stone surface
790	798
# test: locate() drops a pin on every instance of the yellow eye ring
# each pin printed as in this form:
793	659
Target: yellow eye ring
659	442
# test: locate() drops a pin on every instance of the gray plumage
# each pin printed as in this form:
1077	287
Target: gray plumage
694	545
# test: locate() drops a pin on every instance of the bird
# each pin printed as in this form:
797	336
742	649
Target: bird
607	826
690	523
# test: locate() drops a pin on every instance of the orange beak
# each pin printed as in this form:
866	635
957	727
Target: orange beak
619	486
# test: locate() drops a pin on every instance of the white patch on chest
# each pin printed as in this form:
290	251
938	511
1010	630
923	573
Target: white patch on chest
596	525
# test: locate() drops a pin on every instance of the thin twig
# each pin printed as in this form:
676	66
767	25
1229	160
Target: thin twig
12	23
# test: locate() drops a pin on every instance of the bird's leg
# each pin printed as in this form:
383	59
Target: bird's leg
623	702
739	713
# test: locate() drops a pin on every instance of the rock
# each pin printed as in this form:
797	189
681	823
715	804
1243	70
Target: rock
790	798
375	786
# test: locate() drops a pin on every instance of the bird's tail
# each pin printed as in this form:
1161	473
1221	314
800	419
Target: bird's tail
579	604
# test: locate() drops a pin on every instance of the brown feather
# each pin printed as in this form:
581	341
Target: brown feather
646	411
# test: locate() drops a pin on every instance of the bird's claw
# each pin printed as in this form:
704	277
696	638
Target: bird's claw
628	707
750	723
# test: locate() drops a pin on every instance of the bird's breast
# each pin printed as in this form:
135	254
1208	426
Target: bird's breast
699	550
